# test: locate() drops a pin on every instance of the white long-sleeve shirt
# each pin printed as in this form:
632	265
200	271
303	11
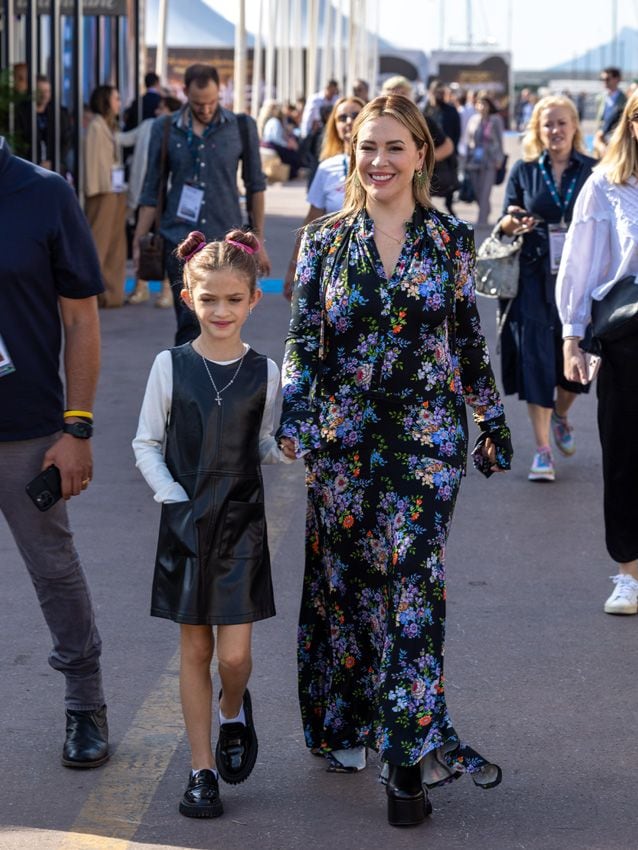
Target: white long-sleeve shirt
150	440
601	248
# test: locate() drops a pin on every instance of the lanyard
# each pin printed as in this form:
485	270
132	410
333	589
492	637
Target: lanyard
345	166
194	142
553	191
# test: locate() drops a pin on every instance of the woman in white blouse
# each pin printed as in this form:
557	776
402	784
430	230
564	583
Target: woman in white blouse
601	249
326	191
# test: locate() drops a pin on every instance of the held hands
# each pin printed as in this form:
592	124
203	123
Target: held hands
575	362
488	451
288	448
74	459
517	221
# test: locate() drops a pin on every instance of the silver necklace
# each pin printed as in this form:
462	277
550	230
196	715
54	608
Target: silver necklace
218	393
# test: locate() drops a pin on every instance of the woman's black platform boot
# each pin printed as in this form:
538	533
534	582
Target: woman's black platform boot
408	802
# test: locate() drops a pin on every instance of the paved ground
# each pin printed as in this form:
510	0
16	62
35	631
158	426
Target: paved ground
540	680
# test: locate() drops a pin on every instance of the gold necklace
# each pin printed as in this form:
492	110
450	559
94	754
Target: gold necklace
389	235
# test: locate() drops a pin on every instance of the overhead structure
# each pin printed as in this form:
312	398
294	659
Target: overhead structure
77	45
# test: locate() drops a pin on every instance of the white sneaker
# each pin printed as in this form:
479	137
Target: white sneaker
624	599
542	468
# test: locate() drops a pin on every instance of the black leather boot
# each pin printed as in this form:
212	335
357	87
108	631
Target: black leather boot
408	802
87	738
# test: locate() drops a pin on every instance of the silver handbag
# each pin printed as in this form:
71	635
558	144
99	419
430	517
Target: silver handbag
497	266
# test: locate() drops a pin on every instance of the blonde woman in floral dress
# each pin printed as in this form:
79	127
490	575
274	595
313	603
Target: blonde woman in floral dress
384	350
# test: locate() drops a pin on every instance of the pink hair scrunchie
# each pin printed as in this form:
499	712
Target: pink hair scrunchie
245	248
195	250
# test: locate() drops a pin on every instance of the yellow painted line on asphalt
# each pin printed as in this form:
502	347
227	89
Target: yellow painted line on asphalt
114	809
44	839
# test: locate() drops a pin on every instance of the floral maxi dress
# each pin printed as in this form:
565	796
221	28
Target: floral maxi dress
376	376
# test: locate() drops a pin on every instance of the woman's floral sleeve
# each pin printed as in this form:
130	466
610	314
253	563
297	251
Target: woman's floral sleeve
302	364
479	386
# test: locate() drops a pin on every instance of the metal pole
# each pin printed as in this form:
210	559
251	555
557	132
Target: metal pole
239	82
270	49
352	44
139	14
255	89
364	41
8	39
32	65
97	28
116	32
297	51
338	60
161	59
285	51
470	34
326	53
56	79
311	54
78	60
374	60
279	51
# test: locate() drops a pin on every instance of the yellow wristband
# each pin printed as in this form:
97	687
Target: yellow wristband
85	413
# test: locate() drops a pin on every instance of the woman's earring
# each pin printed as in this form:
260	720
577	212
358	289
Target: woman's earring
419	177
250	311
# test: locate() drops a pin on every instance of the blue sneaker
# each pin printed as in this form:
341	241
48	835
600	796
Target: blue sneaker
542	468
563	434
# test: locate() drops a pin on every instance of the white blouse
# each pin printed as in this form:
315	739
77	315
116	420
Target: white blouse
601	248
150	441
327	190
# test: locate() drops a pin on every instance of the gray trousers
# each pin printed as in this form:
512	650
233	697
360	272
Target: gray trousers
46	545
482	183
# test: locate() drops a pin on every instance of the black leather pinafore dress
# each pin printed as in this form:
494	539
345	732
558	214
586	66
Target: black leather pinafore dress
212	565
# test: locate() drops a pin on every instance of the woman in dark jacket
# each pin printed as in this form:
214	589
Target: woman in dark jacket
539	200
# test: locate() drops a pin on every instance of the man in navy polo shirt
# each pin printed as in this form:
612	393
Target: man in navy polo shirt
49	282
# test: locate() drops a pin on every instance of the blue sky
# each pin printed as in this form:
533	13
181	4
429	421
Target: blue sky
542	32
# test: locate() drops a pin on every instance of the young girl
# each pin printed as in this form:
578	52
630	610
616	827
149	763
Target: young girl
204	429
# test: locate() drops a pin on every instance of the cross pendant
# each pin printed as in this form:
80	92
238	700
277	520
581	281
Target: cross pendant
218	399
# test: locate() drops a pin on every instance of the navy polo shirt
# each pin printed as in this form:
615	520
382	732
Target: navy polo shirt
46	251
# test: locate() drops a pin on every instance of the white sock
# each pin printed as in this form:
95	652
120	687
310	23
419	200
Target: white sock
214	769
354	757
241	717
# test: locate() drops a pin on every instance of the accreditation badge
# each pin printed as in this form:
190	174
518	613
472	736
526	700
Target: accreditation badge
6	363
117	179
557	234
190	203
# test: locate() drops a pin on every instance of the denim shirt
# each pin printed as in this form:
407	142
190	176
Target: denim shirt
215	157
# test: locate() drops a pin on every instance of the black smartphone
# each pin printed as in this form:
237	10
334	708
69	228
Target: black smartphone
46	488
520	214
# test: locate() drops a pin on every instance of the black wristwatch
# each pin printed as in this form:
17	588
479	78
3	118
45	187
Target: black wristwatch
81	430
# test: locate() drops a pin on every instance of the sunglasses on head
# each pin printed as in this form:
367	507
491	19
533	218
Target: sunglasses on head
345	115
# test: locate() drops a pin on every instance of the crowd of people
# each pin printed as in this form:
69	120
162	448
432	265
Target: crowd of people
383	356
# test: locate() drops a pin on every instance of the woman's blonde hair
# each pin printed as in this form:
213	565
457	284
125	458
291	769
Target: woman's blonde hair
397	85
532	145
332	144
405	111
621	158
269	109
